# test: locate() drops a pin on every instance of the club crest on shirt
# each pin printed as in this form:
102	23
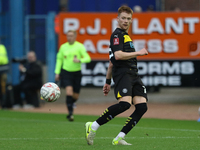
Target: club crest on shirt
116	41
124	90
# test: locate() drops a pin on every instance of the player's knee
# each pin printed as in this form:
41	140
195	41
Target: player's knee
141	108
124	105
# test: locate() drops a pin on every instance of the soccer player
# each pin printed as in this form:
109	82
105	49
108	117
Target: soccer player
129	88
70	56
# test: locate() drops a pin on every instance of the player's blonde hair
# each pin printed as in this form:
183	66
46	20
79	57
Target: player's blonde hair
73	31
126	9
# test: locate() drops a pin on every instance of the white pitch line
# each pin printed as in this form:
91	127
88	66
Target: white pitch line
149	128
186	130
81	123
167	137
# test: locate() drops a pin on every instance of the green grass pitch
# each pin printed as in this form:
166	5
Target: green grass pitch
44	131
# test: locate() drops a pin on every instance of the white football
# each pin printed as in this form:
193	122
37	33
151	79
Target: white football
50	92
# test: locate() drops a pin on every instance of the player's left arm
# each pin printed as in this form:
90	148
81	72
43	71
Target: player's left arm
117	43
120	55
85	57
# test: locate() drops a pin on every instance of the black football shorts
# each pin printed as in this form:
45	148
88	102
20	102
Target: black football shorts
72	79
128	85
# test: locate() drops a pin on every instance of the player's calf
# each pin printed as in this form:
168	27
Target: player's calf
113	111
134	118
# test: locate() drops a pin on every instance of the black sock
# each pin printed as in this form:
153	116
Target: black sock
134	118
113	111
69	103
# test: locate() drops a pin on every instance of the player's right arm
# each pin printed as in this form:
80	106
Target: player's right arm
109	71
106	87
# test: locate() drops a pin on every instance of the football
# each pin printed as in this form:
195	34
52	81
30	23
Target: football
50	92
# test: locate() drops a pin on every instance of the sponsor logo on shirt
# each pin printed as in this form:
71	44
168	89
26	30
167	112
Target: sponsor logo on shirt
127	39
131	44
116	41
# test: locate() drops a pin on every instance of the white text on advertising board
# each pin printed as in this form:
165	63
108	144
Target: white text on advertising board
169	45
153	26
153	73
